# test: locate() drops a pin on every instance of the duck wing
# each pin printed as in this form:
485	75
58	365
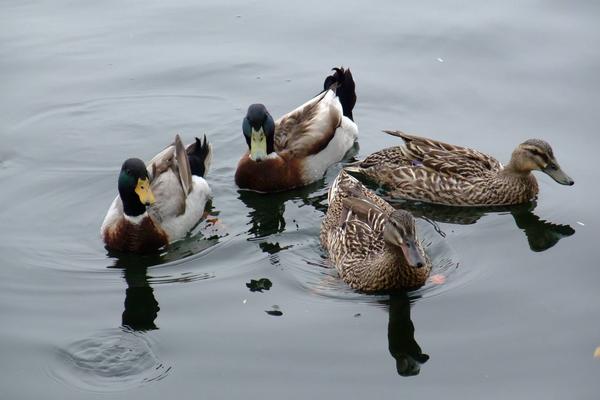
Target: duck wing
309	128
171	178
441	157
357	238
364	211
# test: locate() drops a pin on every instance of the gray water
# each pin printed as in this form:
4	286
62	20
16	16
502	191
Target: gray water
85	85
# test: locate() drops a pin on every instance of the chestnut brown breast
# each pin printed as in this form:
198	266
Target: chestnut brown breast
144	237
271	175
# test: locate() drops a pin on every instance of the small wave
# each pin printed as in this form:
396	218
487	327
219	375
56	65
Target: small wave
112	360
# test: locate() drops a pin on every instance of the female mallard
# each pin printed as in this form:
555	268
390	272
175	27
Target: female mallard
372	246
296	149
161	202
436	172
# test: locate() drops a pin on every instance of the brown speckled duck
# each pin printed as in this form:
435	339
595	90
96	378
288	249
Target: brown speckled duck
436	172
373	246
158	203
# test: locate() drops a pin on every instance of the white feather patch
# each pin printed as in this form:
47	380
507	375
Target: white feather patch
112	215
345	135
177	227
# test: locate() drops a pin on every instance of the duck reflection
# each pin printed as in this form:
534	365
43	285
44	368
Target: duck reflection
141	307
401	336
266	212
541	235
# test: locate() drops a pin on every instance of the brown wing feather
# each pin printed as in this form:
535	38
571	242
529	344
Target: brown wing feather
442	157
364	211
183	165
309	128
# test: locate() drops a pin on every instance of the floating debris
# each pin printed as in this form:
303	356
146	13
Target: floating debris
580	223
597	352
276	312
244	301
259	285
440	59
357	315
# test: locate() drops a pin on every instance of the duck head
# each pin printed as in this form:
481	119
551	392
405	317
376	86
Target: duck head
536	154
134	187
259	131
399	231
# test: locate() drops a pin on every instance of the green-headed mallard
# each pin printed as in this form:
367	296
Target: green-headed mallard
158	203
373	246
431	171
297	149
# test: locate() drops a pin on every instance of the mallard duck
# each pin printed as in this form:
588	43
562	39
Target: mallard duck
435	172
296	149
373	246
158	203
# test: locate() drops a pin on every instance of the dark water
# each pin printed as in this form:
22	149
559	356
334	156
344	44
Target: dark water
85	85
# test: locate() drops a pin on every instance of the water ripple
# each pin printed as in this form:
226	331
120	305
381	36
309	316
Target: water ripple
111	360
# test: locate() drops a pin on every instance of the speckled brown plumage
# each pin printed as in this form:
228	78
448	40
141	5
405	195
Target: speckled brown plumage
436	172
355	241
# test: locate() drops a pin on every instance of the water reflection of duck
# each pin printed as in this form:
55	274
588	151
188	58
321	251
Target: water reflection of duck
541	234
141	307
401	336
266	212
436	172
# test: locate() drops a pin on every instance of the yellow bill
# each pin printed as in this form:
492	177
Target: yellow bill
258	145
142	189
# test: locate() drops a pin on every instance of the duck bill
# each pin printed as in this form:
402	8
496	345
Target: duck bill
142	189
558	175
411	254
258	145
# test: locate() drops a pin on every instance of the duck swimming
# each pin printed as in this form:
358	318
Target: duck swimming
373	246
160	202
436	172
297	149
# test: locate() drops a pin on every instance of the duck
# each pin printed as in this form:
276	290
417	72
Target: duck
431	171
373	246
297	149
160	202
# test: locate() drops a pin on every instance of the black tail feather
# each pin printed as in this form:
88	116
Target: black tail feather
199	154
342	82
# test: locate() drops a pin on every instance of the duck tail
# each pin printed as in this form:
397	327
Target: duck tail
342	83
200	155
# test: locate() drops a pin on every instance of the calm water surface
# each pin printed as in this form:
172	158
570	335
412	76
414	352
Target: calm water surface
86	85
